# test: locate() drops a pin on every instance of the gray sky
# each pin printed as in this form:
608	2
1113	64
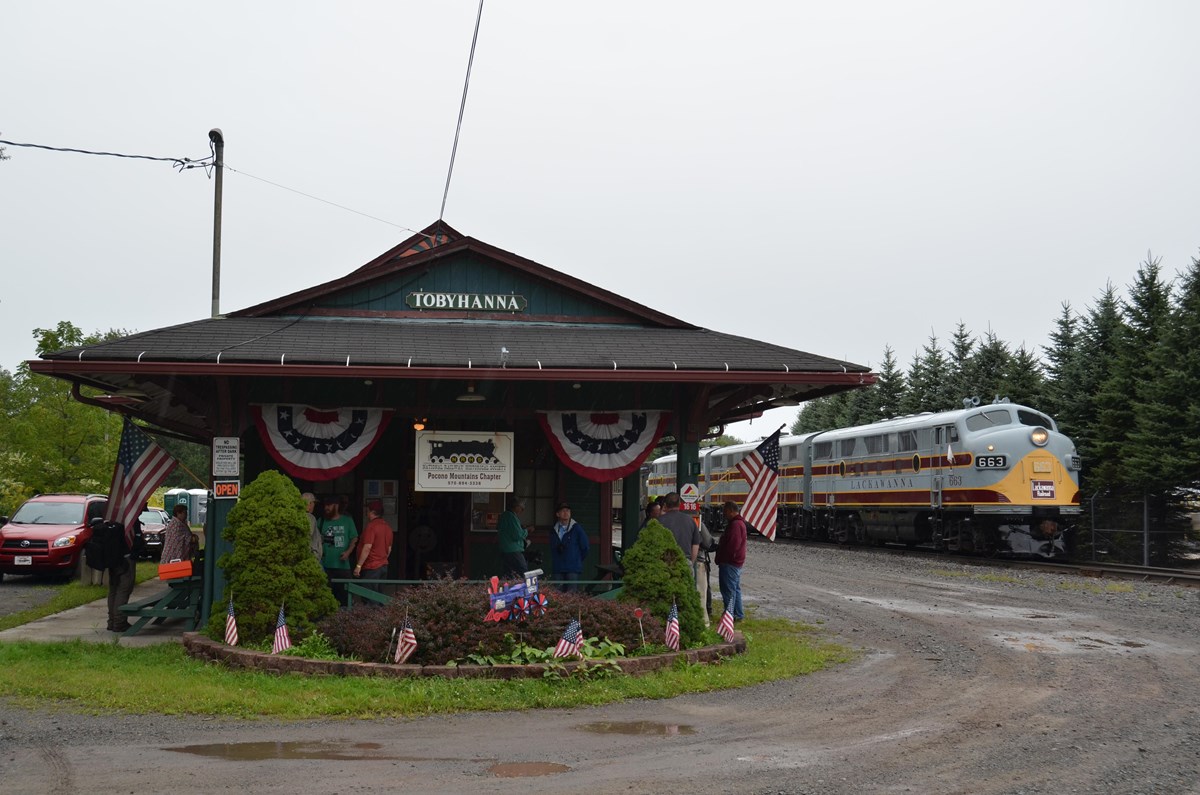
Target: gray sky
833	177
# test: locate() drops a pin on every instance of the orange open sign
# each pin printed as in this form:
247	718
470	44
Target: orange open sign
227	489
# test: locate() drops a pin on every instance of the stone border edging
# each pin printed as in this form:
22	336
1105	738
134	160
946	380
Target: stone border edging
202	647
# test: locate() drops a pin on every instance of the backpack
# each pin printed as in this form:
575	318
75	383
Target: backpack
106	548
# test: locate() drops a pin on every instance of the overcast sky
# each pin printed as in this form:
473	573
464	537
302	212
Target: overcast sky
834	177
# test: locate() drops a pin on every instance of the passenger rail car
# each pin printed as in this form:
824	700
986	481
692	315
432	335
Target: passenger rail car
994	479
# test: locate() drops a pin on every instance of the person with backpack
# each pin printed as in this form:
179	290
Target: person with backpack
111	549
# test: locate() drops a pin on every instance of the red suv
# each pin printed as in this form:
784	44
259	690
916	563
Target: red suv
46	535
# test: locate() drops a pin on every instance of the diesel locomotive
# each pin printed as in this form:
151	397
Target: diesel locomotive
985	479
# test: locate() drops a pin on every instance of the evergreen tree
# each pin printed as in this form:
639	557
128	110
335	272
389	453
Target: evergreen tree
889	389
929	385
271	563
1063	366
962	347
989	367
1098	342
1024	382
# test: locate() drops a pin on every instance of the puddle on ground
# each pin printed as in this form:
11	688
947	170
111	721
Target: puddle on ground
1064	643
322	749
638	727
526	769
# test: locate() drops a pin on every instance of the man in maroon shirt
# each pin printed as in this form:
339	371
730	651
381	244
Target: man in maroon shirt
374	545
731	556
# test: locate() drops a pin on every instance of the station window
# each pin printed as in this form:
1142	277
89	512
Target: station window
536	486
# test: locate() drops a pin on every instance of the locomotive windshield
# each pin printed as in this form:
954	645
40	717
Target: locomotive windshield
988	418
1034	418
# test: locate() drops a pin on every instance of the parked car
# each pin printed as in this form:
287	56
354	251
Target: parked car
148	539
47	533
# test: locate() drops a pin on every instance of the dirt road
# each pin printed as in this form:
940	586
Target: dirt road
969	681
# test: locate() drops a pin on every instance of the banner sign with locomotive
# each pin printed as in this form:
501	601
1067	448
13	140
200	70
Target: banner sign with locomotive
464	461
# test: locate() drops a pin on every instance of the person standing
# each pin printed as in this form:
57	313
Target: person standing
374	546
685	529
731	556
569	548
314	527
178	541
653	511
512	538
122	571
339	536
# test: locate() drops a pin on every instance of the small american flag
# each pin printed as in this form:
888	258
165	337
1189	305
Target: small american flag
568	644
282	641
407	643
725	628
231	636
141	467
761	471
672	638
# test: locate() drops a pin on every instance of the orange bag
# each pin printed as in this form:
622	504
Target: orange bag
175	570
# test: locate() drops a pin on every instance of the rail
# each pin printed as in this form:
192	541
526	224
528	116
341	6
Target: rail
375	592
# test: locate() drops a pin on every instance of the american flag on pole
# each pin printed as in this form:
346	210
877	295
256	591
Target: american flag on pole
407	643
568	644
231	636
761	471
282	641
725	628
141	468
672	639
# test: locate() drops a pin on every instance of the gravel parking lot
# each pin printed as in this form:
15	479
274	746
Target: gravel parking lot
969	680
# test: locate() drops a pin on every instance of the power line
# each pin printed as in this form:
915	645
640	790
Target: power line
181	163
461	110
319	199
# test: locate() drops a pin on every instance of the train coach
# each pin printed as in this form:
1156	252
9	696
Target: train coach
985	479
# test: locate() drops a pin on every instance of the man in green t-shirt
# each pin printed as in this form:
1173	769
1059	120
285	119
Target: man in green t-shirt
339	536
512	538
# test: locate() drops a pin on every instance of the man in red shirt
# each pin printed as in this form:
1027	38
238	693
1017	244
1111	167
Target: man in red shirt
731	556
374	545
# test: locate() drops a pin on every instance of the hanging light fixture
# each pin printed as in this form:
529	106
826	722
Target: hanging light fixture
419	424
470	396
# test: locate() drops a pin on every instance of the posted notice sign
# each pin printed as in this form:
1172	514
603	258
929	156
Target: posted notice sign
226	452
464	461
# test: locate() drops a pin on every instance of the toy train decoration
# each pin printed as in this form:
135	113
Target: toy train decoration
995	479
516	602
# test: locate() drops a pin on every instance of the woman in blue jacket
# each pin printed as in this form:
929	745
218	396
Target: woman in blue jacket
568	548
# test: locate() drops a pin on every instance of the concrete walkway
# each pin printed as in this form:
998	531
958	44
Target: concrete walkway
87	622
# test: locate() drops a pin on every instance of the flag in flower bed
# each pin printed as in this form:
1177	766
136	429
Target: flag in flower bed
725	628
572	637
672	636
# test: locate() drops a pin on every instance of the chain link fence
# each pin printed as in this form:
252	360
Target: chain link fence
1142	531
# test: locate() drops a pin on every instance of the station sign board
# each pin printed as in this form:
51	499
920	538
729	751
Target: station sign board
226	457
227	489
690	494
464	461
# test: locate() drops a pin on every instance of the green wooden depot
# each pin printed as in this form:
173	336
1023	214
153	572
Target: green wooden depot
447	338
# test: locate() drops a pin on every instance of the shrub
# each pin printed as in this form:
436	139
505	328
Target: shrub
271	564
447	618
656	574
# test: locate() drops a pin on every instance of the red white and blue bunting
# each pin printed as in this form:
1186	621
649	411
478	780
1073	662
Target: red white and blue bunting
603	445
319	444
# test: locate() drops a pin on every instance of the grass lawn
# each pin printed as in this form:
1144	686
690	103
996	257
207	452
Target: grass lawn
72	594
102	678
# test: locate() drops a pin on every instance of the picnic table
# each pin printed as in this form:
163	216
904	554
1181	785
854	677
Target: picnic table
180	599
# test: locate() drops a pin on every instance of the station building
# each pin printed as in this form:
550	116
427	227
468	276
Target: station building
441	377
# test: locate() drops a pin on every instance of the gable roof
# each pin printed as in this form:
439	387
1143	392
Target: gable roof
436	246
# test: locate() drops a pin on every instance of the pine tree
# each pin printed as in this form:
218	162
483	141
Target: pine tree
1097	356
890	387
988	368
962	346
1063	365
1024	382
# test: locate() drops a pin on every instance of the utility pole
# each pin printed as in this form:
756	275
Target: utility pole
218	141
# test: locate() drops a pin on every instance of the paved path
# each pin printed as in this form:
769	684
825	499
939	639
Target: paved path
87	623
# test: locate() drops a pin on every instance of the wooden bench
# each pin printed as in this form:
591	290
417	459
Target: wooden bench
180	599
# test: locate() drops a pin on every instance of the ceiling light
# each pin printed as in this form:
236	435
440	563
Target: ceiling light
470	396
419	425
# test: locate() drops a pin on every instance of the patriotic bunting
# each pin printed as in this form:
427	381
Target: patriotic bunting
317	444
606	445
